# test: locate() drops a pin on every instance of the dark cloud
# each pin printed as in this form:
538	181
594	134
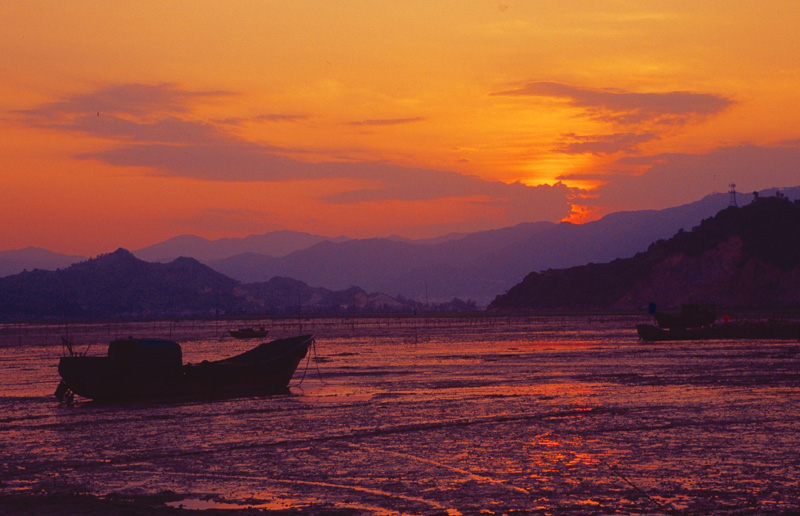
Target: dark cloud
167	130
130	112
625	107
214	161
130	99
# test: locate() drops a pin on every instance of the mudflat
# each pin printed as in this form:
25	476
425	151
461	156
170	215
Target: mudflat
456	416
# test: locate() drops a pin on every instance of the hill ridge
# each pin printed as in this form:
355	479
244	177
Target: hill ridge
746	257
119	285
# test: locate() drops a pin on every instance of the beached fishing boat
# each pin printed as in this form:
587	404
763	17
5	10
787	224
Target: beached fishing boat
138	369
690	316
776	330
249	333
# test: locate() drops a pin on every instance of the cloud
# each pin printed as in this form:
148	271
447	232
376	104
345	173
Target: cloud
672	179
521	203
625	107
212	161
167	130
270	117
390	121
405	183
383	181
605	144
151	126
136	100
130	112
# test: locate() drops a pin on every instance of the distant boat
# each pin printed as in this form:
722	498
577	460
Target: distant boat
138	369
249	333
733	330
690	316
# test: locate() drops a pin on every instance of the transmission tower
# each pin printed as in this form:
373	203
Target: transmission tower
732	191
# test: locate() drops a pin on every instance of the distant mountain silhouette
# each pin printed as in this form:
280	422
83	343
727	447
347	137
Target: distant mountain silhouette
391	266
276	243
118	285
746	257
476	266
14	262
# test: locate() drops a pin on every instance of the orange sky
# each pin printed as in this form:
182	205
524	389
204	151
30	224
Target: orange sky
124	125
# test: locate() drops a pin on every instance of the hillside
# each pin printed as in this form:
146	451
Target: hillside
120	285
116	284
746	257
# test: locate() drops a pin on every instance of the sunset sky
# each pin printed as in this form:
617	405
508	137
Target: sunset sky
127	123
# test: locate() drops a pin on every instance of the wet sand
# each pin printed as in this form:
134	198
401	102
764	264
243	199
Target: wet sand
462	416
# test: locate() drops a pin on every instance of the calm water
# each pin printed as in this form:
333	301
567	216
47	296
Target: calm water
429	416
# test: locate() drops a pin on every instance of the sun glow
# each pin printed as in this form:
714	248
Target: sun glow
582	213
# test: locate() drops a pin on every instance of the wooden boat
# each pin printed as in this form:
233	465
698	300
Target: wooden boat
733	330
249	333
690	316
138	369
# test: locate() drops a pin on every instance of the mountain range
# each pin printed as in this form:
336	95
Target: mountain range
476	266
746	257
276	243
118	285
30	258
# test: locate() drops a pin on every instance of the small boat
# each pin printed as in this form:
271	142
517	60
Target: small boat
249	333
140	369
690	316
755	330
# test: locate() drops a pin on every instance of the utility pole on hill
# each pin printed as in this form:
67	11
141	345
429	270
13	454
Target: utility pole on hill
732	191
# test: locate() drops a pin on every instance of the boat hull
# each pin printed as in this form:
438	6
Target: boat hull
248	333
690	316
746	331
266	369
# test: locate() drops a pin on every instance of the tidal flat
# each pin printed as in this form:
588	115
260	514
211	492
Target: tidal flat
452	416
